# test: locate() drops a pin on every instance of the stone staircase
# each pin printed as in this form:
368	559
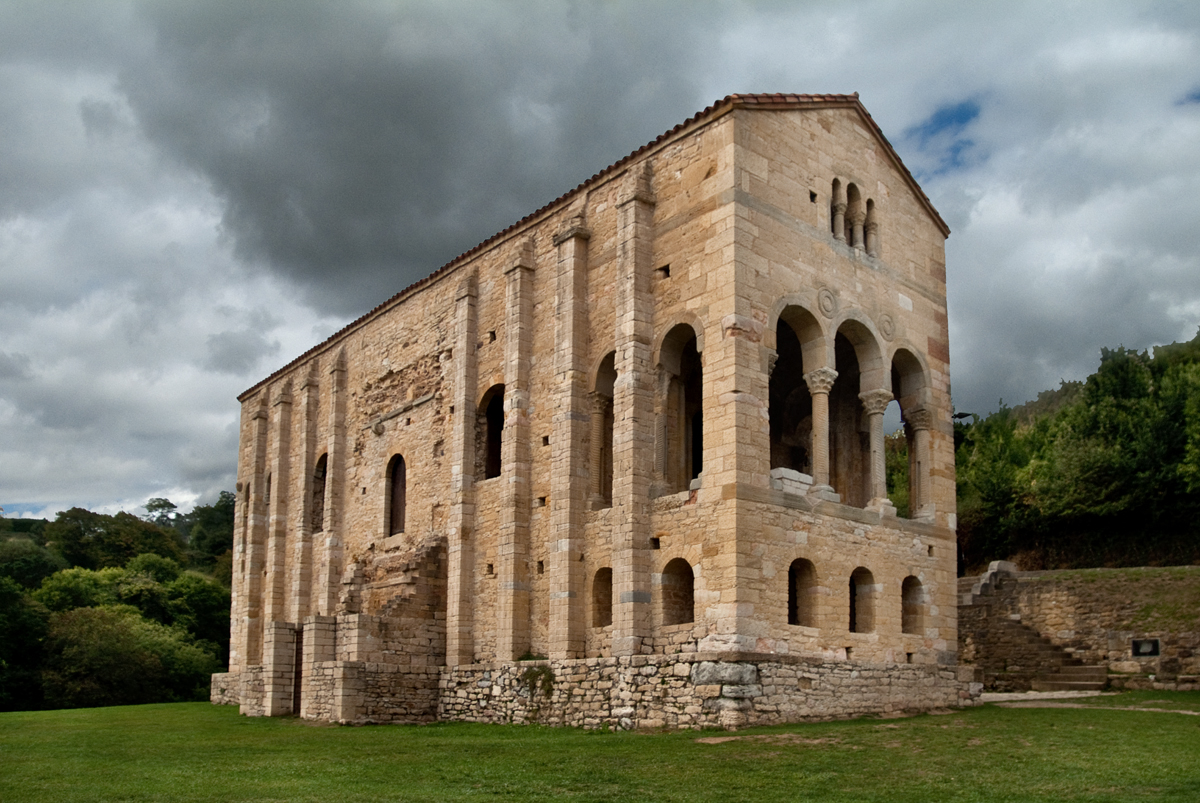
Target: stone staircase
1012	655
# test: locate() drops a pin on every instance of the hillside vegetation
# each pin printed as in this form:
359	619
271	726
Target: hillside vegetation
1100	473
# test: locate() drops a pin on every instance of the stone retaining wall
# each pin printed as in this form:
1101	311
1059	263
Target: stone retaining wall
1092	615
695	691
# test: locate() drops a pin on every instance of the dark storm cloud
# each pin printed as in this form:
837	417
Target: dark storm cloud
357	147
193	193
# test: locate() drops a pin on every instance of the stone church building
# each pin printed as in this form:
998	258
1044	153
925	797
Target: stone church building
623	463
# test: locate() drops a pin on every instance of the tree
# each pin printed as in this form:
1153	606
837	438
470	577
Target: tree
26	562
112	656
22	627
95	540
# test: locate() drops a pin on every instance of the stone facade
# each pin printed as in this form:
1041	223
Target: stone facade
643	424
1094	617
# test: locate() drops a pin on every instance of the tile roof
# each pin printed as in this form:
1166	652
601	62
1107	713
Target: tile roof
726	104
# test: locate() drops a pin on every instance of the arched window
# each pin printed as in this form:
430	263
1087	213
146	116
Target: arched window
318	495
791	407
677	593
397	494
490	432
862	601
602	598
802	588
680	452
912	606
860	367
602	433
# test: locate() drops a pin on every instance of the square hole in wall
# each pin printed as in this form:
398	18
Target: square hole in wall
931	551
545	440
908	657
541	501
492	336
663	273
541	569
812	197
490	569
655	543
1145	647
848	653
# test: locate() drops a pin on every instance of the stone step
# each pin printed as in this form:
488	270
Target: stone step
1084	672
1043	684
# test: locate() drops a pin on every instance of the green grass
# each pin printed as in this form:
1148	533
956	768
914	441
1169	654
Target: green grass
202	752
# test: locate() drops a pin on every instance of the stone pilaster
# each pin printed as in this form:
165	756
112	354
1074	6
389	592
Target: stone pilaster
567	503
279	668
633	406
248	648
299	591
875	403
335	490
516	462
277	532
820	382
319	647
460	642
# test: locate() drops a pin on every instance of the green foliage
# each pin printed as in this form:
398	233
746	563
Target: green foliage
22	628
895	451
95	540
156	567
1104	475
201	606
24	560
112	656
79	588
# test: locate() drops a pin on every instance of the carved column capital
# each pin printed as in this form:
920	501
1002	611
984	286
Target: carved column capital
875	402
857	217
919	418
772	358
821	380
839	208
600	402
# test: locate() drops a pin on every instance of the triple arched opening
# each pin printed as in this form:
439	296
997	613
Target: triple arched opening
826	406
862	595
853	218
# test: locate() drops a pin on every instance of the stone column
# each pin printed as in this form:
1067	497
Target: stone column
820	382
920	421
330	581
839	214
633	408
872	237
875	403
281	448
516	461
567	489
460	641
857	218
601	404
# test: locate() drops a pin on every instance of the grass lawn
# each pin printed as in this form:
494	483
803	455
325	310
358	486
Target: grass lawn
194	751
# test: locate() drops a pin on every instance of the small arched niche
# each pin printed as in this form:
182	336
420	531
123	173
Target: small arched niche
802	590
678	600
489	432
602	597
862	601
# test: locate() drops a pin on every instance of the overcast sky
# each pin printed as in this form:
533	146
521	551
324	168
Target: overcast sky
194	193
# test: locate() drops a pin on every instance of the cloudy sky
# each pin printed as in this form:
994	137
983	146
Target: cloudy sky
192	194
